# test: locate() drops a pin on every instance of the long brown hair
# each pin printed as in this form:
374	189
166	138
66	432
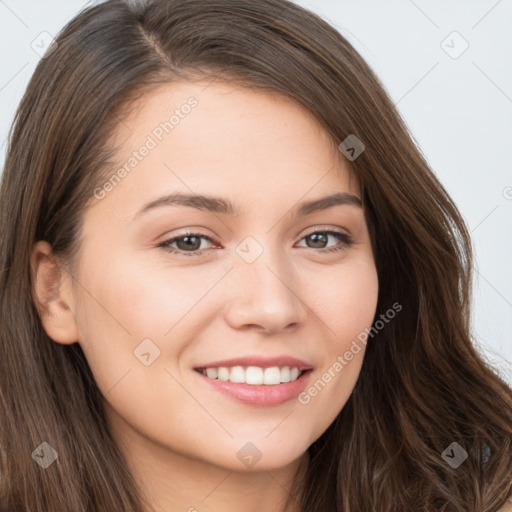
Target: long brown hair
422	387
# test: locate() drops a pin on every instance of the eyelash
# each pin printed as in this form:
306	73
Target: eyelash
346	240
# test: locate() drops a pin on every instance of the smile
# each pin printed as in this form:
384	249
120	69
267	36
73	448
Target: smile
252	375
262	388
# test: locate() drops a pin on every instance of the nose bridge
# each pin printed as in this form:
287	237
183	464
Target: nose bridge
264	288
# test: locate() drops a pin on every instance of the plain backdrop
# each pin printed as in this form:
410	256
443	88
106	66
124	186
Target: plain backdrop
447	66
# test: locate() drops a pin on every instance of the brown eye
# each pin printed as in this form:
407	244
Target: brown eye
187	244
319	240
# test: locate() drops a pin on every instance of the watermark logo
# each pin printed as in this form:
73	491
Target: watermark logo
351	147
249	454
454	455
249	249
146	352
44	45
44	455
454	45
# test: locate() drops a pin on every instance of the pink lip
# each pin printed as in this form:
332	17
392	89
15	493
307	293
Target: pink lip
259	395
262	362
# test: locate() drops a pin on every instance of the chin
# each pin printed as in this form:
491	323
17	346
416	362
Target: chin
259	455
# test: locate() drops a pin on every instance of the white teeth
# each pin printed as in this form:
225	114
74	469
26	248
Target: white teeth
285	374
223	373
237	374
272	376
253	375
211	372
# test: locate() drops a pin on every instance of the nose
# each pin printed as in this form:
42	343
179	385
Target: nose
265	295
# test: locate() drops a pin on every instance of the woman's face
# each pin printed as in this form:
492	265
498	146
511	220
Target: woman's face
251	288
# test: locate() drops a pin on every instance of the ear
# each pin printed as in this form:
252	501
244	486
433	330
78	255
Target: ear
52	294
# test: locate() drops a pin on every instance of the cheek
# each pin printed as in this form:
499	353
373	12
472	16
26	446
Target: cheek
135	301
147	300
346	299
351	320
124	304
348	310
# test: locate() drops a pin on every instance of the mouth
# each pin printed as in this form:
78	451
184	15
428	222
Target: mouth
253	375
257	381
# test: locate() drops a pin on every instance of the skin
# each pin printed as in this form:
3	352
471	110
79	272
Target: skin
266	154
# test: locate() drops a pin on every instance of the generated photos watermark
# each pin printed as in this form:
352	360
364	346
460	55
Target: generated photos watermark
343	360
152	140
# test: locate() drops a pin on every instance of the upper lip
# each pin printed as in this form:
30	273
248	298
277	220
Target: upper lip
261	361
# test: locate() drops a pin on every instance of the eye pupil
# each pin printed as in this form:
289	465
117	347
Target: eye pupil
316	236
185	245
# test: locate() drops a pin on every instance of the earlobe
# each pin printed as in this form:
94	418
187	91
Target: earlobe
51	291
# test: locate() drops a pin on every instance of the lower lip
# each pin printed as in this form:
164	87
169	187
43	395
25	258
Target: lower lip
260	395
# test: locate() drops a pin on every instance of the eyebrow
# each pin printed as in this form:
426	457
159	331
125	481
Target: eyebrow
226	207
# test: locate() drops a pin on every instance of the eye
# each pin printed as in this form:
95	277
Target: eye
321	237
189	244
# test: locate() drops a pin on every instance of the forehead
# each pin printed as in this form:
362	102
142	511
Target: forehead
221	138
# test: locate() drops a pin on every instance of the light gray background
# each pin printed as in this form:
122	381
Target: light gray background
457	105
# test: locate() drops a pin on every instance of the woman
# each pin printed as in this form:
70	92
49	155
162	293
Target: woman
230	281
